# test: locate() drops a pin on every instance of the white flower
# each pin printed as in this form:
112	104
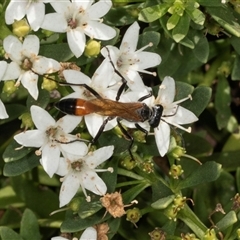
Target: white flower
129	61
35	11
26	62
79	171
79	18
89	233
51	137
3	67
172	114
100	83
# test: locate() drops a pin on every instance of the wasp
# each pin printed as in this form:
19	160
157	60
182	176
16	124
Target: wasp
131	111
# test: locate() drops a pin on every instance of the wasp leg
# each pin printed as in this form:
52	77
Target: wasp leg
101	129
142	129
145	97
124	81
127	135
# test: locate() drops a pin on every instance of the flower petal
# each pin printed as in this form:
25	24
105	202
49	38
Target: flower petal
55	22
3	112
41	118
43	65
13	71
35	14
68	123
106	70
13	48
3	68
130	39
29	81
69	188
146	60
99	30
99	9
50	158
76	42
162	137
93	122
31	138
92	182
30	46
62	167
77	148
99	156
15	11
60	6
76	77
166	91
182	116
89	234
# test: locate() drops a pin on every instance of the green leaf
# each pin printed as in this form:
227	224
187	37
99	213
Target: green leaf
23	165
173	21
208	172
153	13
222	102
14	111
7	234
229	160
226	18
197	146
88	209
9	198
147	37
200	99
162	203
29	226
42	101
42	201
227	221
122	15
192	221
74	223
196	15
201	50
14	152
181	30
60	51
130	194
212	3
236	68
235	41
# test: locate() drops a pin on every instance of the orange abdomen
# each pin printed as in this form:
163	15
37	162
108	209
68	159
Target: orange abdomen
74	106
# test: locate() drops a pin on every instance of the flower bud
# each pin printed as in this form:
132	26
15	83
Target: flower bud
48	84
171	212
47	33
157	234
9	87
27	122
128	162
75	204
133	215
176	171
21	28
210	235
238	233
92	48
189	236
147	166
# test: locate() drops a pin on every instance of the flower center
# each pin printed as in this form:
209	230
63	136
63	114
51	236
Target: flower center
26	64
72	23
77	165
